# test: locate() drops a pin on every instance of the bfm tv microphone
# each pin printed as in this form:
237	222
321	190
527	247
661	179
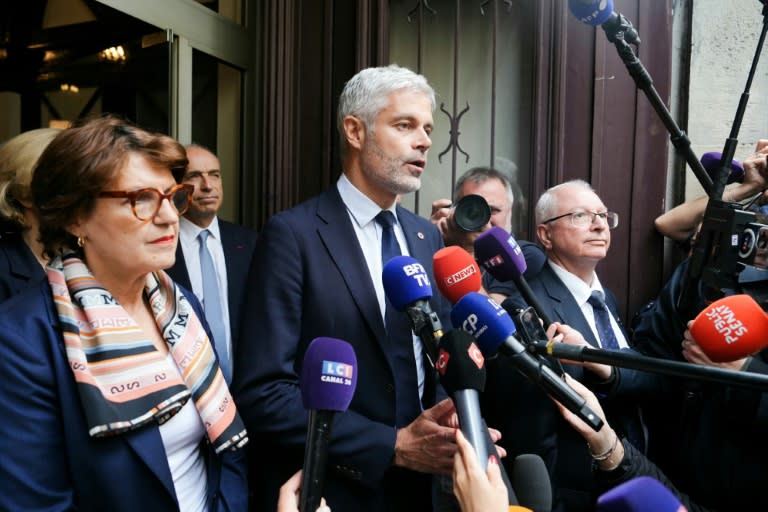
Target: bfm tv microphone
407	287
328	380
639	495
495	331
462	373
531	480
499	253
600	13
731	328
456	273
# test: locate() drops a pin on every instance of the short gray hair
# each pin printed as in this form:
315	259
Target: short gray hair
365	95
547	205
478	176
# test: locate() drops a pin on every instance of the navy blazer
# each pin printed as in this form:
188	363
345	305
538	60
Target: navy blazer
19	269
49	462
310	279
546	433
238	243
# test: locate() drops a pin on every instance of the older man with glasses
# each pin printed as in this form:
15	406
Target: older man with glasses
574	228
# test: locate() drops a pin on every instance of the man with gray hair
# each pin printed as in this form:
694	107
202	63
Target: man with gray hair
318	272
574	228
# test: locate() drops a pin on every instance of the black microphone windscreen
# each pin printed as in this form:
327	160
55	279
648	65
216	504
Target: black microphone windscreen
530	479
460	363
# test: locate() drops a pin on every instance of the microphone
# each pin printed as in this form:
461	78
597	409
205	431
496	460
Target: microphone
494	331
498	252
328	380
600	13
711	163
456	273
462	373
407	287
531	479
731	328
638	495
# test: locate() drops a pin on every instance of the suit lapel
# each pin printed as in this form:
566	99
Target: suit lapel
338	236
148	445
565	307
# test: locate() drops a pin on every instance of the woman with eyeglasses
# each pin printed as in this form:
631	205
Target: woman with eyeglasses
111	396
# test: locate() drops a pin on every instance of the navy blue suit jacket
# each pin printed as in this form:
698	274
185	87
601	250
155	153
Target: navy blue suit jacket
531	423
19	269
238	243
310	279
49	462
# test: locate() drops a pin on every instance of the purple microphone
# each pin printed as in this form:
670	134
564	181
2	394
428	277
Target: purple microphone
499	253
639	494
328	380
711	163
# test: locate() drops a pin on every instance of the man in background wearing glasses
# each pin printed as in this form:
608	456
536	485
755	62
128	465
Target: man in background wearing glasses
213	256
574	228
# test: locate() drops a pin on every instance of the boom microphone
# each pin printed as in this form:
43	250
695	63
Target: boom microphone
328	380
462	373
639	495
456	273
600	13
731	328
495	331
407	287
499	253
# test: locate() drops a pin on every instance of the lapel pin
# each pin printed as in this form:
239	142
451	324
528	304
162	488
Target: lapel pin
420	235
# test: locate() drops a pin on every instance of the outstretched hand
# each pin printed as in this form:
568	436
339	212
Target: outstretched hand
427	444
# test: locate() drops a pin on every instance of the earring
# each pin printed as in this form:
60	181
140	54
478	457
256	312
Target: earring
81	241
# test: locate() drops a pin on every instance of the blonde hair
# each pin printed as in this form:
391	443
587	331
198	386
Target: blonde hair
18	157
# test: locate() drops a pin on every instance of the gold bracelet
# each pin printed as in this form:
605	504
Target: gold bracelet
602	456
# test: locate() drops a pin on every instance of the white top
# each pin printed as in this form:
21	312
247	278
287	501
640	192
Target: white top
190	247
182	435
362	211
581	293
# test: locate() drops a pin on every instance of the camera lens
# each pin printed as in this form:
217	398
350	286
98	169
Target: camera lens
472	213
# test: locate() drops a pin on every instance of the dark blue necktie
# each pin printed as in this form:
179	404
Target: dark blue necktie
399	335
603	321
212	305
631	421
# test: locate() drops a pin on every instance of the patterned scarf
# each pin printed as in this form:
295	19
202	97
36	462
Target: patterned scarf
123	380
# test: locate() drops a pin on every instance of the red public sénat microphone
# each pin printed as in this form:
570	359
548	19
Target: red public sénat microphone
731	328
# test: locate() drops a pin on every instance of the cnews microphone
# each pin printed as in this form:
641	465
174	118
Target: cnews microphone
407	287
456	273
600	13
531	480
639	495
328	380
495	331
462	373
731	328
498	252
